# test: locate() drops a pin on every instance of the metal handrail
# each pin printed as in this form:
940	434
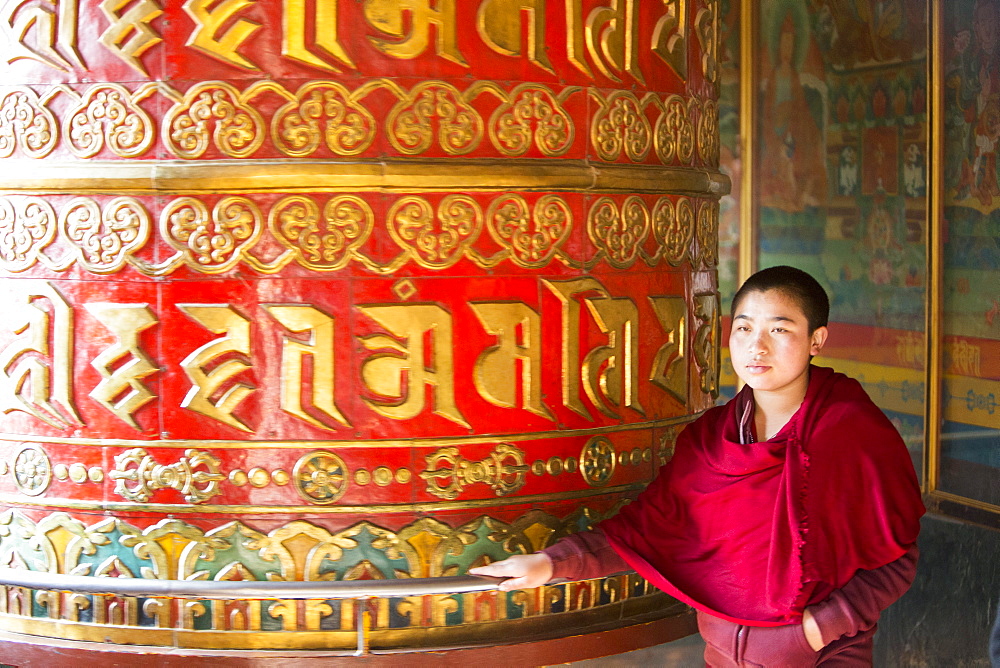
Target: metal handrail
243	589
209	589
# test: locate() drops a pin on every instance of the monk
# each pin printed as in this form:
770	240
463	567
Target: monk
787	518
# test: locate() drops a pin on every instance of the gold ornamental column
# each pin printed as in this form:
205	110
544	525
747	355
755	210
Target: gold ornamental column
329	290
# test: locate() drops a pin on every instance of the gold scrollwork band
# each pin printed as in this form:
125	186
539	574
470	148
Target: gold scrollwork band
325	119
327	232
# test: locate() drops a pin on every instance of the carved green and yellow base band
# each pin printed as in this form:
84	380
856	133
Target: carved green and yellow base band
296	551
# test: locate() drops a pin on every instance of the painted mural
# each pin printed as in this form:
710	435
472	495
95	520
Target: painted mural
970	456
842	108
730	159
841	113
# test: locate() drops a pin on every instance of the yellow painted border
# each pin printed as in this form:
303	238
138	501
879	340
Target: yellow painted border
747	262
935	209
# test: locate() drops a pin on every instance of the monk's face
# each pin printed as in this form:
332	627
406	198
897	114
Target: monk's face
771	344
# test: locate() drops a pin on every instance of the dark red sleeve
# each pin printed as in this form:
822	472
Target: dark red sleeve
857	605
584	555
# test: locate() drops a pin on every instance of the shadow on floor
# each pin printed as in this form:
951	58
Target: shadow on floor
684	653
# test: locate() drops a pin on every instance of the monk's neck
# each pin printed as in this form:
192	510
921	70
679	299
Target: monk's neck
772	411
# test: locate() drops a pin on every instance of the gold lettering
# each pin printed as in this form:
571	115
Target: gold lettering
325	34
384	373
706	341
966	358
910	349
613	38
389	17
499	26
670	368
495	374
209	16
36	367
130	35
611	372
126	322
320	347
565	291
576	44
670	36
205	383
46	33
707	27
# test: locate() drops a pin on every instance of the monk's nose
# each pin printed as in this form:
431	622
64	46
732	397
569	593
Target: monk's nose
758	345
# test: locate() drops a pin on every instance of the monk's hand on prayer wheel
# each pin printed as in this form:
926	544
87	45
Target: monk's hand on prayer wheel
522	571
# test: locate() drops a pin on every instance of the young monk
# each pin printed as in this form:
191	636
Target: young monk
787	518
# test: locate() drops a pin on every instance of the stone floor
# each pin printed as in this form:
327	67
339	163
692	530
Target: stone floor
684	653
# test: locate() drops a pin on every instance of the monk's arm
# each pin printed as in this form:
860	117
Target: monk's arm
584	555
857	605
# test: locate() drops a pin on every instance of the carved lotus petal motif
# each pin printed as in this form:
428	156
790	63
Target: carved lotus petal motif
213	113
532	236
434	111
27	226
323	112
26	124
322	241
103	240
107	116
211	242
531	113
436	239
619	233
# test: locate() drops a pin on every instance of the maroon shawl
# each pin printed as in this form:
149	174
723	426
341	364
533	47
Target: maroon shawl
748	532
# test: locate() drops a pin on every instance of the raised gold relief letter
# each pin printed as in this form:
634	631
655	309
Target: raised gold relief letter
383	373
670	366
707	27
390	17
670	36
566	292
207	381
576	44
43	32
294	40
320	347
706	341
126	322
613	38
499	26
36	367
519	337
611	372
209	17
130	35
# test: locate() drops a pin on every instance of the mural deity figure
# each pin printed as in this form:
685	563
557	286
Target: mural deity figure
794	167
974	77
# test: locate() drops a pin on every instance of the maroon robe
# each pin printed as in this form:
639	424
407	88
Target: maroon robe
752	532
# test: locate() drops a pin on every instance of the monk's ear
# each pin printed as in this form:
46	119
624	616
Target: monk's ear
818	339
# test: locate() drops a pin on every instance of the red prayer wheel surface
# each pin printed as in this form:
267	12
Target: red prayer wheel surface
345	290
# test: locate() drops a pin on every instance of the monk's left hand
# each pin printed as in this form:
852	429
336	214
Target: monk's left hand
811	629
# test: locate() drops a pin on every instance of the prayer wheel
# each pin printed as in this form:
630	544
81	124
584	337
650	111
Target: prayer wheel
319	291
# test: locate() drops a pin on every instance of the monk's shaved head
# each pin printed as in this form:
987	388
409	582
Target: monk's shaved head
795	284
